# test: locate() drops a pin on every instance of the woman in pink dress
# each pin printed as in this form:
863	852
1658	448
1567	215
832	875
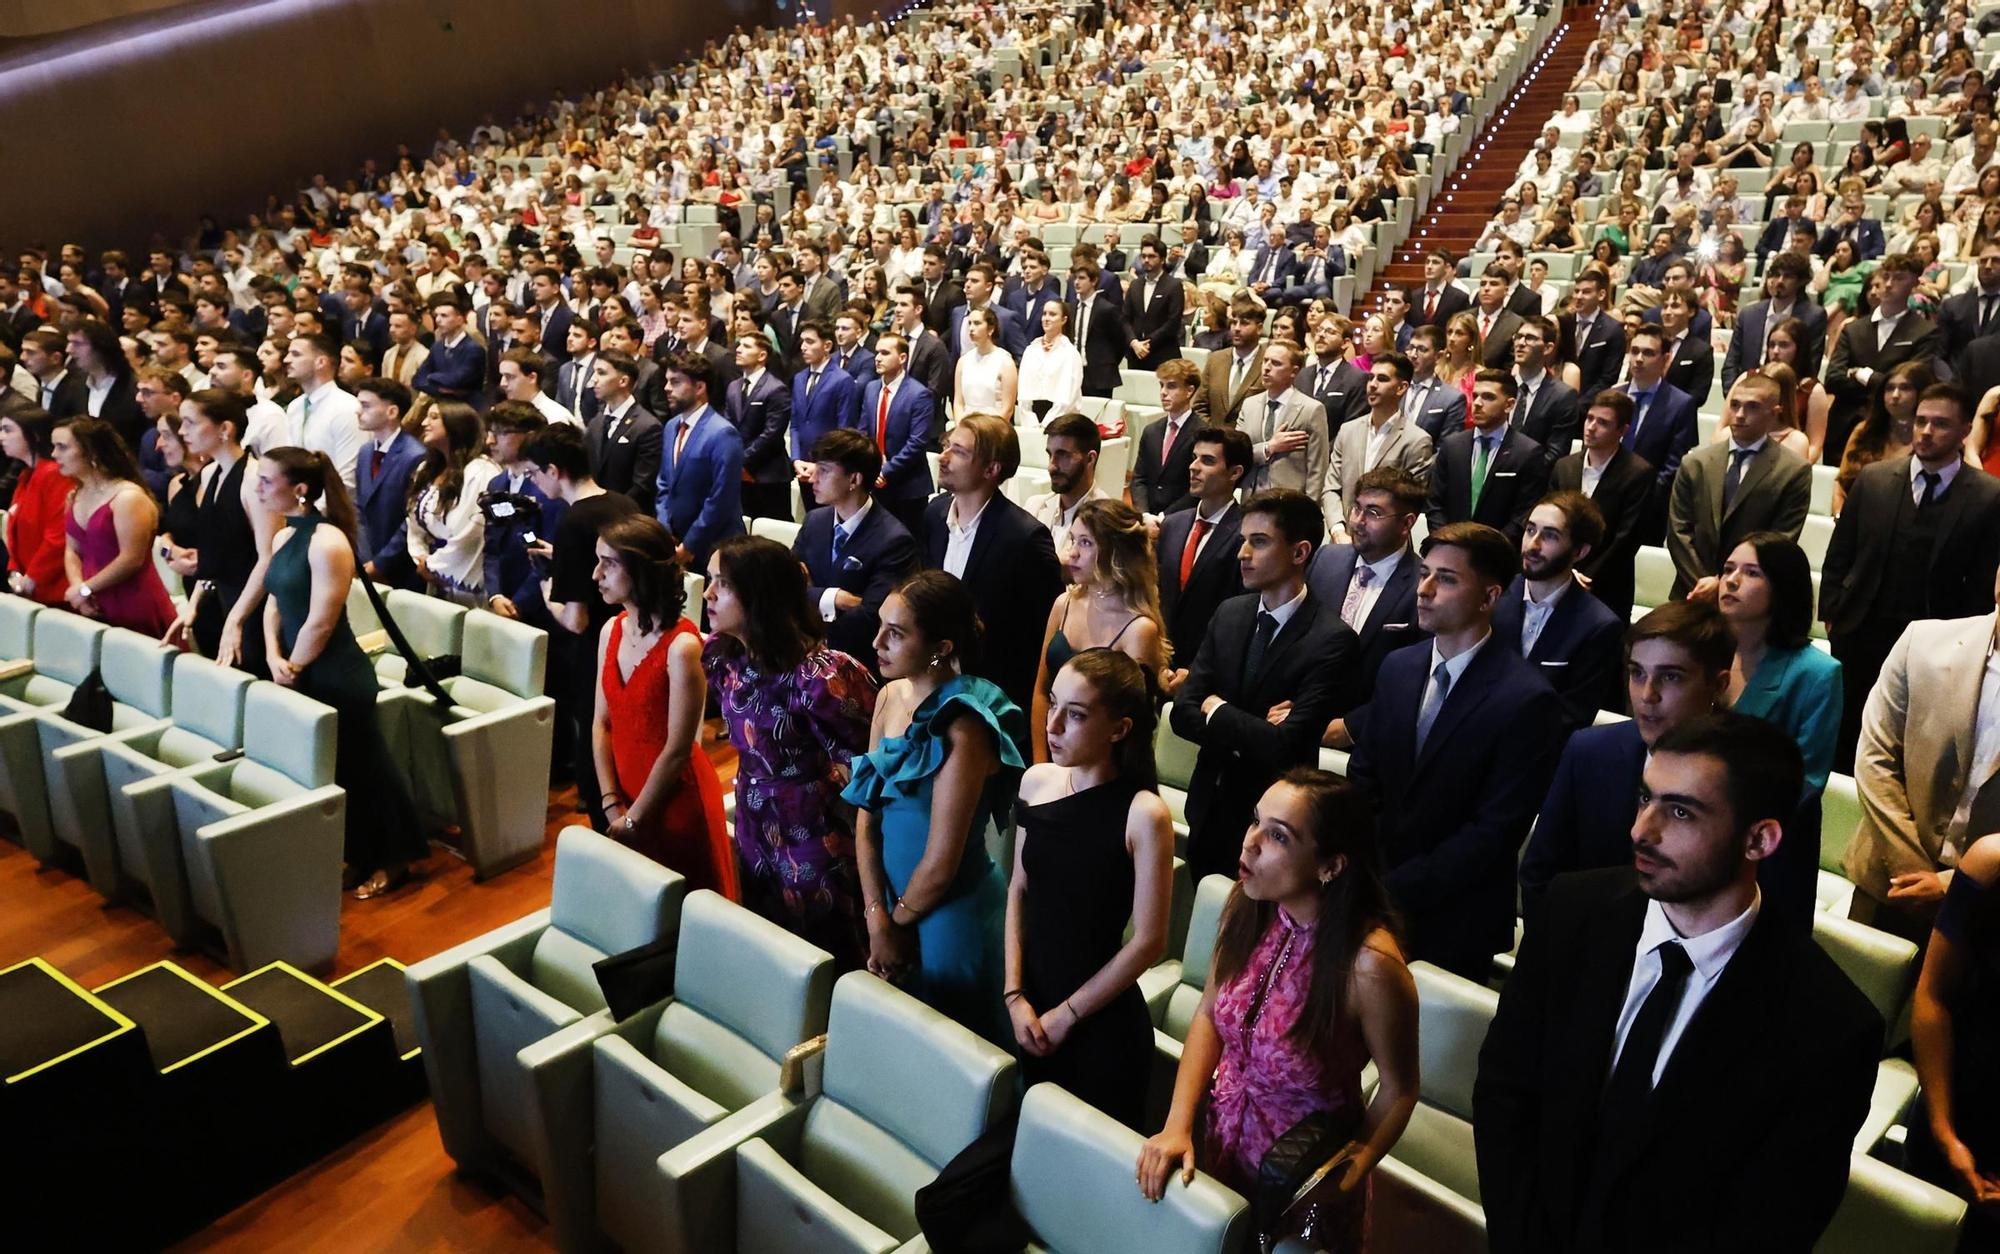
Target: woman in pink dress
1307	986
110	525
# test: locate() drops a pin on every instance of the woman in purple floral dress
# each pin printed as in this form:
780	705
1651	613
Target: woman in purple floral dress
1307	986
797	713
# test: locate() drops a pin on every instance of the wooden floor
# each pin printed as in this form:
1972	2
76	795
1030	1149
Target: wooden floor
393	1189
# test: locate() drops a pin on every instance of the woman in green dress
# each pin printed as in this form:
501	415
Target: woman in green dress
945	756
312	649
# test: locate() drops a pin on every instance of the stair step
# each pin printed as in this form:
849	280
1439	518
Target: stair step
315	1021
382	987
187	1022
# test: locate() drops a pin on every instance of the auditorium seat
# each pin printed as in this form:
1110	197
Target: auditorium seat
260	839
1815	538
1452	1017
1173	989
1882	966
1137	387
775	529
434	627
478	1005
1034	444
1071	1180
1654	579
65	651
1840	815
17	629
1885	1209
1408	1210
481	766
1114	465
1175	759
706	1063
904	1090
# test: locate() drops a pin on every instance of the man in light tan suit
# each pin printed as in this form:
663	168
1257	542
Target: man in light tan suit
406	353
1925	771
1386	438
1230	376
1287	428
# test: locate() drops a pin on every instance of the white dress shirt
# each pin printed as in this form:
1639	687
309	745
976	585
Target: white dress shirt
551	412
1378	579
328	420
1453	667
1945	477
1047	507
959	537
1535	614
1709	954
1593	471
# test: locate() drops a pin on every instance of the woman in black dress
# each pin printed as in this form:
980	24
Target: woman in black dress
1955	1028
1095	852
227	535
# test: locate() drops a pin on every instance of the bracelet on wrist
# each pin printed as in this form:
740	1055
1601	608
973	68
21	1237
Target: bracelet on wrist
1011	994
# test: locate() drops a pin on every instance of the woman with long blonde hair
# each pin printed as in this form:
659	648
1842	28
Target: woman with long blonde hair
1113	602
1461	359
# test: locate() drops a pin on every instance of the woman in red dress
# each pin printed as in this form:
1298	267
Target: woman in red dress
35	531
661	796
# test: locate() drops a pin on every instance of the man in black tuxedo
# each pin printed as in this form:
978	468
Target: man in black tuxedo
1863	355
1268	676
759	406
1097	324
1690	360
623	438
1153	309
1622	484
1433	304
1004	555
854	553
1493	473
1545	408
941	293
1199	572
1919	537
1166	446
1547	617
1619	1105
1456	748
1972	314
1592	336
60	391
1372	581
930	362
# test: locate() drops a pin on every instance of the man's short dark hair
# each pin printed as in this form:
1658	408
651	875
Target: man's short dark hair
386	390
1648	331
1297	515
1695	626
559	447
515	417
1237	450
694	367
1953	393
1077	429
1397	363
625	364
1788	263
1502	379
1763	768
1619	403
1582	519
1405	490
818	326
850	450
1492	556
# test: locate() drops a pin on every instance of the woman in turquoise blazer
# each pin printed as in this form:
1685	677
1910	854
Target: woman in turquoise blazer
1765	591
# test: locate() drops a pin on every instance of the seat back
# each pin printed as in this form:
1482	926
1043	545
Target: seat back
908	1070
208	700
606	899
1452	1017
1653	575
290	733
433	626
1882	966
1203	923
1174	757
1839	818
1886	1209
139	671
506	654
1071	1179
67	646
17	626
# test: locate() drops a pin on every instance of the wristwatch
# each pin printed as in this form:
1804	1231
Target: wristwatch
84	588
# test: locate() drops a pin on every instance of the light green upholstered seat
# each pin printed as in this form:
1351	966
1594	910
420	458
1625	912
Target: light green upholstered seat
138	671
65	651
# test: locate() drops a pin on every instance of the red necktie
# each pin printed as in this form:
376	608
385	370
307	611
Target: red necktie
375	463
680	441
1430	305
882	422
1193	544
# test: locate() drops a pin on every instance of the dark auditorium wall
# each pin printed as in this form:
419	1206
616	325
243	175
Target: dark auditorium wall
141	124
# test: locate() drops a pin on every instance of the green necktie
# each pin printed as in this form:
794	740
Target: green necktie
1481	455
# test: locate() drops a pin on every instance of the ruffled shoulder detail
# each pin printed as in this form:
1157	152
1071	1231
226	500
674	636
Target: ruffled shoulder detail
903	765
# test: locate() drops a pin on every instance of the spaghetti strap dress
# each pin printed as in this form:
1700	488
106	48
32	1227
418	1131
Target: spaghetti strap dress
140	603
1060	650
686	833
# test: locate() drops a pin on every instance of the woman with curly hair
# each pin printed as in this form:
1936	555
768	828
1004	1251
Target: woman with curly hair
1113	602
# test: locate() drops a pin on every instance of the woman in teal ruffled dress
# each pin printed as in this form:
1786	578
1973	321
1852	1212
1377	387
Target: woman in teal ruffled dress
946	753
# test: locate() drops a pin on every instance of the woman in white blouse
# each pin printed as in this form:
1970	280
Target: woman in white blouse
447	532
987	379
1051	371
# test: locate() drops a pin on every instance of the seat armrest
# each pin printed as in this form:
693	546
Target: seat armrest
558	1068
698	1176
1157	985
17	668
802	1071
277	876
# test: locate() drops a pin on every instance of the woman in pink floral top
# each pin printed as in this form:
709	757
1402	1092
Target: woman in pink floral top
1307	985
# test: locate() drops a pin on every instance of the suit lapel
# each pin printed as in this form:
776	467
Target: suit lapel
1759	469
1391	594
1465	696
1948	508
1219	541
1294	630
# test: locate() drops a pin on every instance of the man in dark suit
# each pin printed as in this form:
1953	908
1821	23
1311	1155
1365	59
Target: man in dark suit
697	339
1617	1107
1728	490
1690	360
1153	309
382	482
1035	289
1546	616
699	497
1456	748
981	292
455	370
1433	304
853	347
1678	276
1270	673
511	584
824	398
854	552
1372	581
1972	314
1270	271
1496	322
622	438
1665	424
1546	409
1432	404
1198	572
1097	325
1785	278
941	293
1166	446
1919	537
925	355
573	378
545	285
899	414
364	320
1677	665
1005	556
759	406
1493	473
1863	355
1340	386
61	392
1591	336
1622	484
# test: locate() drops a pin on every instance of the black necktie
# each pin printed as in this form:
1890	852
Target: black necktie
1986	303
1632	1078
1260	641
1931	480
1738	458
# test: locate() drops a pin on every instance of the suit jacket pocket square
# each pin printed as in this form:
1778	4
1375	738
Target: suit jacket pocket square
850	563
1505	474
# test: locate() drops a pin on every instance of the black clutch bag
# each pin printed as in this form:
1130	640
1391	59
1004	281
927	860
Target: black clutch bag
1293	1167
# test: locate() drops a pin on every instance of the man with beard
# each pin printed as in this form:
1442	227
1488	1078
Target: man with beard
1073	444
1549	618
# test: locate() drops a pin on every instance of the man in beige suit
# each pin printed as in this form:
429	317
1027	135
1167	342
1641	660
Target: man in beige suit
1726	490
1925	771
1385	439
1287	429
1228	378
406	352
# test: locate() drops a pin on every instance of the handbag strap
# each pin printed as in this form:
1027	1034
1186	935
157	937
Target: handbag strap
402	643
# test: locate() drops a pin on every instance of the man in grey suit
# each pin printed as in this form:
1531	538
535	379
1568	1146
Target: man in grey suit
1497	323
1430	402
1385	439
1287	429
1726	490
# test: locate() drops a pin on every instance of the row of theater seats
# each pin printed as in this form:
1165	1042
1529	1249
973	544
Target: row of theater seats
763	1106
211	800
197	1098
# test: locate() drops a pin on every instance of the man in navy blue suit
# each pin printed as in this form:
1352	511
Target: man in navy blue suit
1549	618
824	398
851	350
899	414
1372	581
382	482
545	286
759	406
979	294
1456	748
1270	271
456	367
1664	425
1785	278
1035	289
512	585
854	551
1677	664
700	496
